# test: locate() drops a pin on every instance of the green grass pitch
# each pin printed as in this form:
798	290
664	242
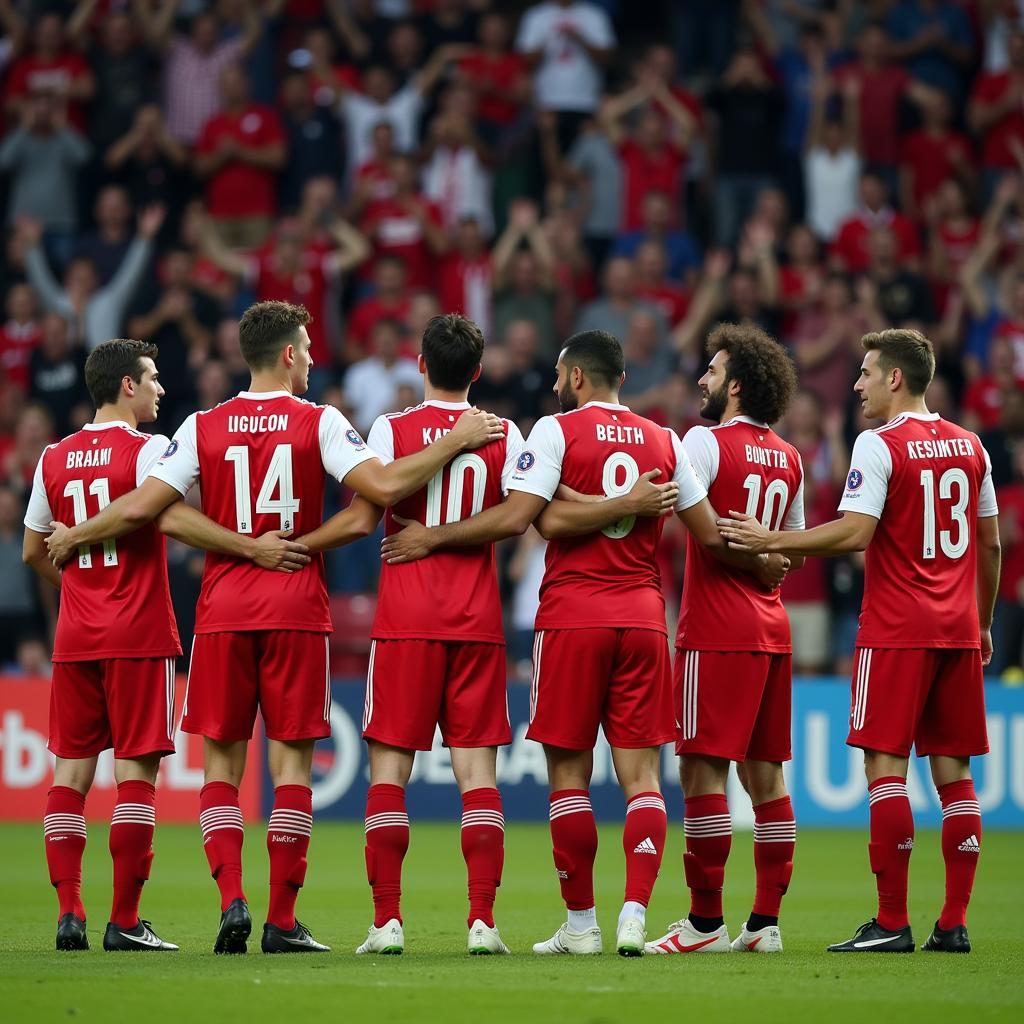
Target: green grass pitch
435	981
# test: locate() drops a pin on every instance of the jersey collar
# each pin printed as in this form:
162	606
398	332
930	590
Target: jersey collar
604	405
747	419
107	425
438	404
926	417
265	394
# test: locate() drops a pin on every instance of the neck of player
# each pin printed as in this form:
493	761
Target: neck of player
903	402
432	394
609	396
116	412
269	380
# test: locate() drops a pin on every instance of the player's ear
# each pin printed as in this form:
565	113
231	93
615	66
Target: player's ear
476	373
127	385
288	355
422	366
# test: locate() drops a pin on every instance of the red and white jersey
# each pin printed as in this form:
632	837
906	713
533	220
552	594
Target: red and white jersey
608	578
114	597
745	466
453	594
260	459
926	481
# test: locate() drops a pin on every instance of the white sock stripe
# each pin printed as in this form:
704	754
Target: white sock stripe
493	815
962	805
292	830
207	829
146	818
145	808
707	818
553	815
284	812
377	820
63	817
223	809
887	793
761	826
639	803
65	827
221	819
570	801
961	814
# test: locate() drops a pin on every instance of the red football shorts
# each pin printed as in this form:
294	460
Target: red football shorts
282	673
124	703
734	704
620	679
934	699
413	686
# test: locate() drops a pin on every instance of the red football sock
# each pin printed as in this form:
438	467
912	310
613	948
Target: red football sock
643	842
64	838
708	830
288	832
892	840
961	847
774	843
483	847
574	842
131	848
387	840
220	818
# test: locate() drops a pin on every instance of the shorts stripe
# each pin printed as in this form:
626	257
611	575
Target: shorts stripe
368	699
327	678
538	650
188	681
860	699
170	698
691	665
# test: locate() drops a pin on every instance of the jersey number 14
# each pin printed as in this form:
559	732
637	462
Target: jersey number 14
278	478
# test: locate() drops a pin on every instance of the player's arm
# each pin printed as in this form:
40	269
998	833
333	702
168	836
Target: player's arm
359	520
576	514
37	558
989	562
511	518
125	514
385	485
271	550
852	532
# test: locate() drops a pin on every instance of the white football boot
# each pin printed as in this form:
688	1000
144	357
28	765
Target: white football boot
764	940
682	937
388	940
586	943
631	938
485	940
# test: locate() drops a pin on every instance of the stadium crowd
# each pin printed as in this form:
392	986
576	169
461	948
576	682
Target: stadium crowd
819	167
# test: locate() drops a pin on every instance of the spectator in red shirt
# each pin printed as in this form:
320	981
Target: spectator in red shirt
983	399
931	155
374	179
327	77
954	233
850	250
654	284
1008	627
499	77
52	68
996	114
19	335
802	276
291	270
465	278
652	157
240	151
883	86
389	301
407	225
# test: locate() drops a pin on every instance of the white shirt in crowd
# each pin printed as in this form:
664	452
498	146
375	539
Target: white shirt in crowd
461	186
361	115
830	181
566	78
371	388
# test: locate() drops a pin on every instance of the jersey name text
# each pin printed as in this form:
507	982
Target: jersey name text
766	456
257	424
614	433
89	457
940	448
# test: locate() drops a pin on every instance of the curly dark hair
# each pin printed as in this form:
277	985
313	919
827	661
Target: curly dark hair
760	365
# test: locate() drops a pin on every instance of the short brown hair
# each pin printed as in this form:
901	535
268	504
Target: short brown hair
760	365
906	349
108	364
266	328
452	348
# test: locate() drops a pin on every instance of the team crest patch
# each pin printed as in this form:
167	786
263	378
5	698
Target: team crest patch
171	449
854	480
354	439
526	461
